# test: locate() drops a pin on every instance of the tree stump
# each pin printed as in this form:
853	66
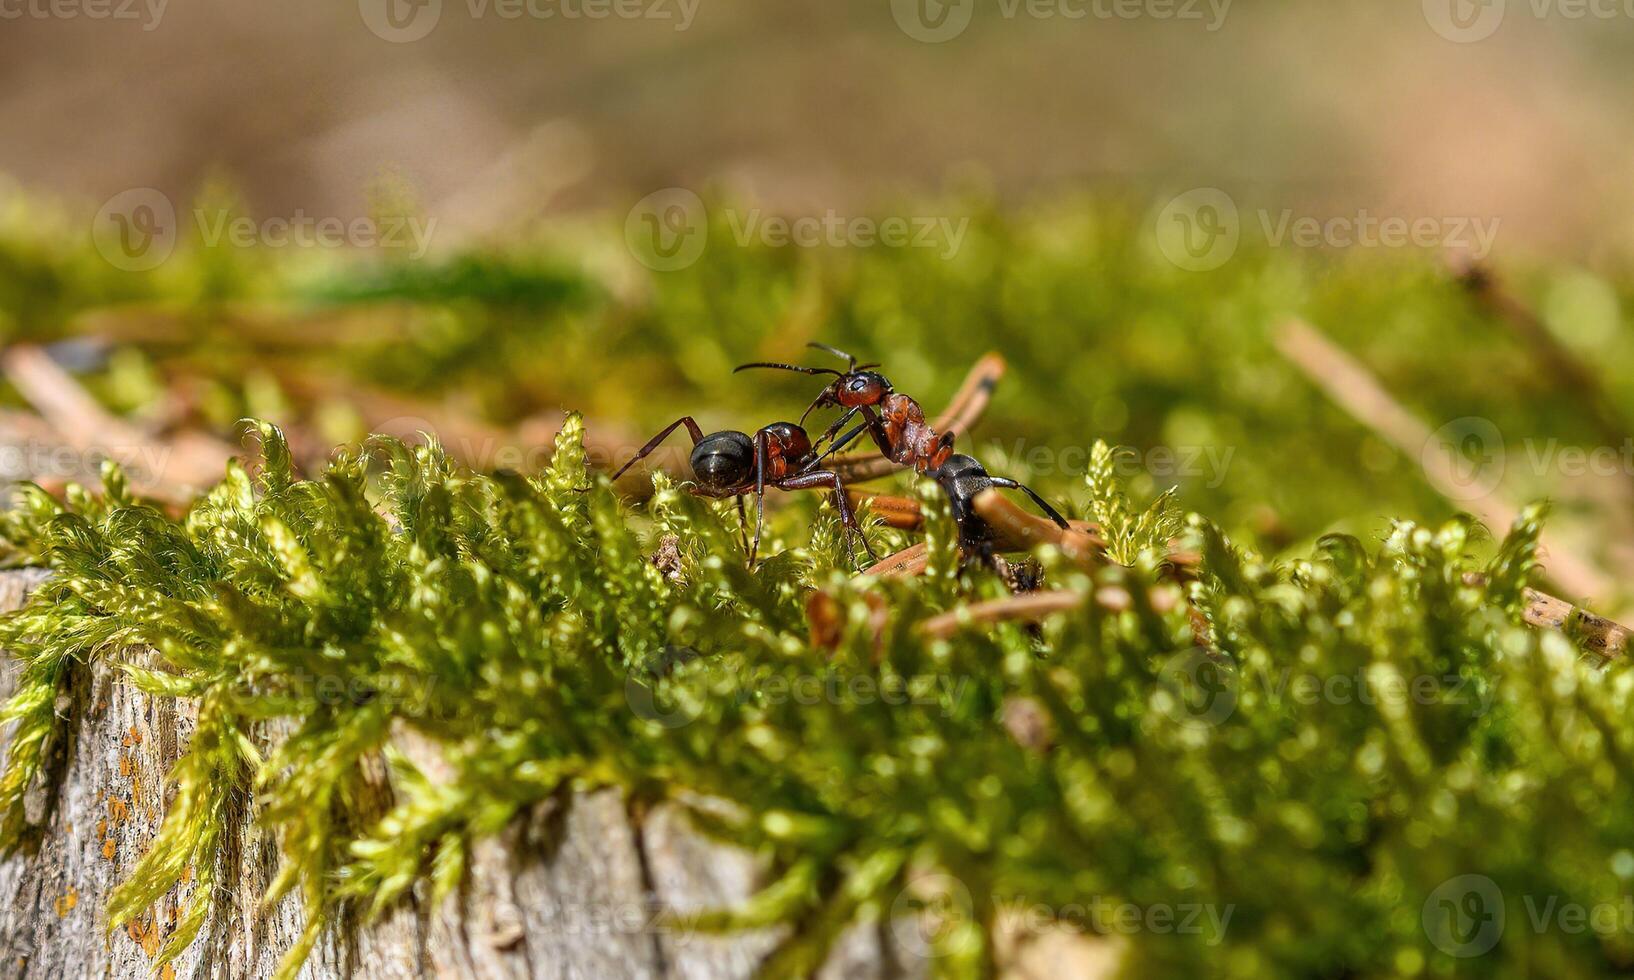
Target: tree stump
572	890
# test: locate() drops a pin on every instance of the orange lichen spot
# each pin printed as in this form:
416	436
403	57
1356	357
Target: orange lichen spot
109	848
145	933
118	812
167	972
133	737
102	827
66	903
187	875
126	767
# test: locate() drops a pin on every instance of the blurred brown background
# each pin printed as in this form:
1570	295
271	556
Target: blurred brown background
492	118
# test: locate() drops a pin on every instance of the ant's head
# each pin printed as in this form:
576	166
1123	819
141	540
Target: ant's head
962	477
860	388
854	386
723	460
851	390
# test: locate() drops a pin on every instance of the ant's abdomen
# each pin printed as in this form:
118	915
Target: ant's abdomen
722	460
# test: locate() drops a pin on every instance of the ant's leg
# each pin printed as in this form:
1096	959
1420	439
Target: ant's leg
840	444
743	523
761	450
696	433
839	424
874	427
829	478
1007	484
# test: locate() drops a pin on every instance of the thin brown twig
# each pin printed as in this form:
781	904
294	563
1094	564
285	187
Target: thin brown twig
1571	376
901	513
168	470
1036	606
1543	611
909	561
1355	390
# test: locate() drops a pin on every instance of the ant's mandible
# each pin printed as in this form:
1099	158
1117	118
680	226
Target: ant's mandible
732	464
898	426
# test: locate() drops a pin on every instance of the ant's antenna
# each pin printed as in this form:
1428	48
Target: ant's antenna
850	359
787	367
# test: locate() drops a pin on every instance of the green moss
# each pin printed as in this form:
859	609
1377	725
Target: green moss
518	624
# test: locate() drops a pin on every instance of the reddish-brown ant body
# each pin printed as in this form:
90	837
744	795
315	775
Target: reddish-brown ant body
896	421
732	464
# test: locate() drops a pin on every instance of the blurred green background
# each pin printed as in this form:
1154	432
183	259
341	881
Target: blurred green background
545	163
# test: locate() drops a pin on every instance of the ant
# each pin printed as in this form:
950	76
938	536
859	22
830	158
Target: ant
732	464
898	427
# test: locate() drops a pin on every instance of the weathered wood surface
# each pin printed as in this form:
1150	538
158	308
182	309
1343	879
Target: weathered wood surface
572	891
